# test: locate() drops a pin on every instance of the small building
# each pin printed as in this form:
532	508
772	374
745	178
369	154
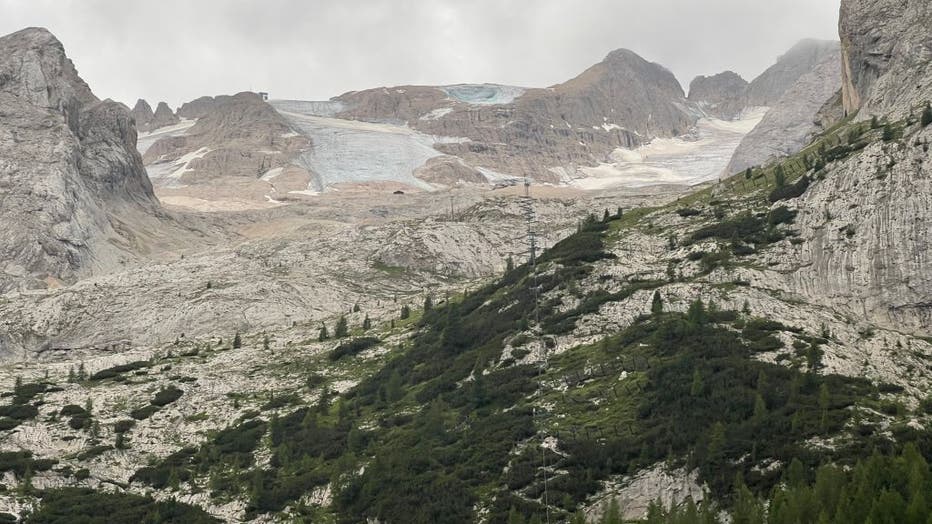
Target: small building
263	95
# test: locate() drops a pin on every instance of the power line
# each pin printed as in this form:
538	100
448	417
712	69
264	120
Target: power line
527	206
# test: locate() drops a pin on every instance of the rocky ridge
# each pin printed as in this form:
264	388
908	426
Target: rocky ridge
60	144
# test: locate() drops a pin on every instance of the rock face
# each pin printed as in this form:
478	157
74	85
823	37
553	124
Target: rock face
142	113
886	49
236	136
69	170
869	220
622	101
163	117
717	94
722	96
792	120
197	108
768	88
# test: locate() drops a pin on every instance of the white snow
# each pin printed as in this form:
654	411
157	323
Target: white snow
483	94
689	160
352	151
168	174
145	140
271	174
310	107
438	113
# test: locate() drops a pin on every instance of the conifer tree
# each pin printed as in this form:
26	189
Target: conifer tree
428	304
926	116
323	333
656	304
366	323
405	312
237	341
342	329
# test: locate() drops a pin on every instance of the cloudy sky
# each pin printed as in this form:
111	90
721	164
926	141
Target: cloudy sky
177	50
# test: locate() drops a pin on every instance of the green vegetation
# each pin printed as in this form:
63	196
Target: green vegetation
166	396
71	505
352	348
116	372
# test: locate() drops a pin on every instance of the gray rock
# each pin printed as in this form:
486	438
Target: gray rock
163	117
789	124
886	50
142	113
69	170
719	94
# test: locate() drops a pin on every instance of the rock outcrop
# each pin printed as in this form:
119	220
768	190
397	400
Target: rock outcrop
142	113
791	122
717	94
869	221
886	51
163	117
622	101
70	176
240	136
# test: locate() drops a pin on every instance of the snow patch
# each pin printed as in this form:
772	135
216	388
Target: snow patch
681	160
438	113
483	94
271	173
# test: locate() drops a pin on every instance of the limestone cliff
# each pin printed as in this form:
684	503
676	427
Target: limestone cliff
69	170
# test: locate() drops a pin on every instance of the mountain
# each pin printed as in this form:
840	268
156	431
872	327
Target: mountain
71	175
714	91
142	114
792	120
755	350
726	95
234	150
885	52
546	134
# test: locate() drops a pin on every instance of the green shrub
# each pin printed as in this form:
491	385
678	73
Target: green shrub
352	348
166	396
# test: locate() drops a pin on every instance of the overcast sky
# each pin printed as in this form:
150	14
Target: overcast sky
177	50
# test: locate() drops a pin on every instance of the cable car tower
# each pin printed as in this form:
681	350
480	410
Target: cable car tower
531	242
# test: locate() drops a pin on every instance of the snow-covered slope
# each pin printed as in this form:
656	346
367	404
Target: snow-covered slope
350	151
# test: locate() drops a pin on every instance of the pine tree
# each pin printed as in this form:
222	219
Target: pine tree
612	514
509	264
605	216
926	116
356	308
875	123
824	402
405	312
342	329
237	341
656	304
696	388
323	333
889	133
265	343
428	304
366	323
749	173
779	177
760	410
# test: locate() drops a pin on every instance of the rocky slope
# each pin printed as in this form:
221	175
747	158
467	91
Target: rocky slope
142	114
791	121
717	93
886	51
233	152
722	95
69	170
622	101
